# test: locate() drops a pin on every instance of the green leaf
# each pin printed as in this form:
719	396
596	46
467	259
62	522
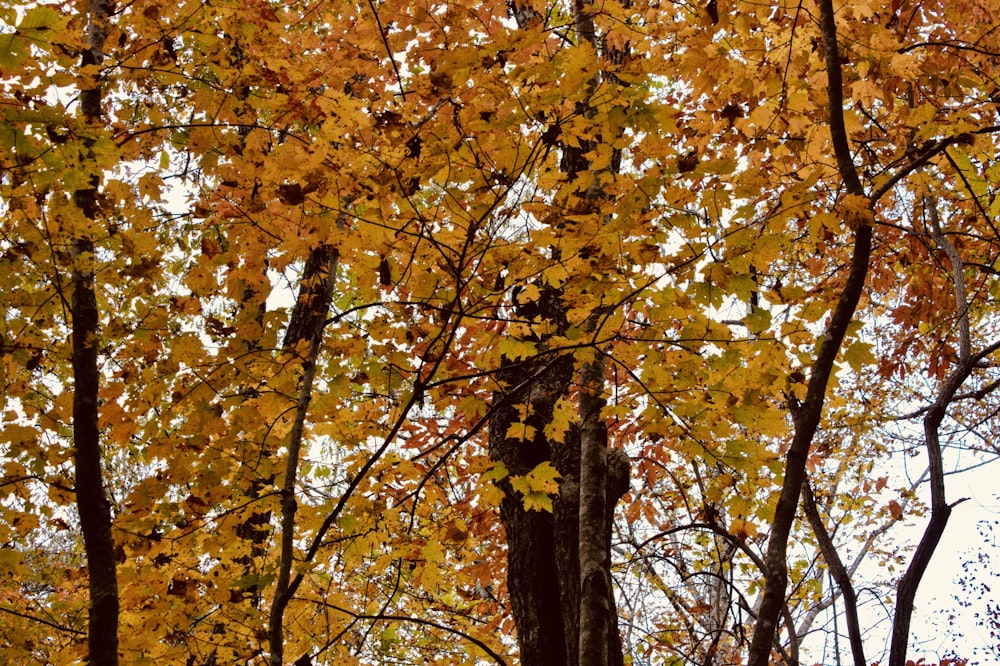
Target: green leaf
515	349
39	18
11	50
971	173
858	355
496	473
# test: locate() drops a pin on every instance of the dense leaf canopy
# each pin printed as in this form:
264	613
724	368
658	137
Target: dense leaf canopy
322	236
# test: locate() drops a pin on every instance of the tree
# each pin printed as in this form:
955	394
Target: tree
91	501
658	286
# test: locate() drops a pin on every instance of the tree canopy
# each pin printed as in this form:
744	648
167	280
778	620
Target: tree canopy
488	332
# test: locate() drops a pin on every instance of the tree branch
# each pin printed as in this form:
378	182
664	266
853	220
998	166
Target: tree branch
940	509
839	572
91	498
808	416
315	305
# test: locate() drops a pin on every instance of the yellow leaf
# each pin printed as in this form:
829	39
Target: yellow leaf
537	487
520	431
496	473
856	211
859	354
743	529
433	552
537	502
151	186
562	418
514	349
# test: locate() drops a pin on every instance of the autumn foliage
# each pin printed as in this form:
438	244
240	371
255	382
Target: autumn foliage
378	285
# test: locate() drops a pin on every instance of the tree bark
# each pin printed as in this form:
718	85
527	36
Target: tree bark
596	601
542	553
543	549
559	564
92	501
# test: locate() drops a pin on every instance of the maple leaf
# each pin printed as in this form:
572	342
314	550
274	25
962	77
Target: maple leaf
856	210
895	510
537	487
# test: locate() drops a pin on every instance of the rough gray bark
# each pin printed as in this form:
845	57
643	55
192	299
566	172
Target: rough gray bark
597	611
92	502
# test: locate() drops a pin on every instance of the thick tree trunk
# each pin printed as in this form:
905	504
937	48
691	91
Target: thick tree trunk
559	564
542	556
92	502
543	549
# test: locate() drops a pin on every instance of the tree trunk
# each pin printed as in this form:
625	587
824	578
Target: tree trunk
306	323
542	556
559	564
596	600
807	416
906	590
92	502
543	549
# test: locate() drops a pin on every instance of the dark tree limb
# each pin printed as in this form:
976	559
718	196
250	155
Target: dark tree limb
807	416
306	324
91	499
906	590
839	572
933	417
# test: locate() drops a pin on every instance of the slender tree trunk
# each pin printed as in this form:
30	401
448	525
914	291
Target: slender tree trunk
599	641
906	590
596	600
92	502
256	527
306	323
807	415
838	571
